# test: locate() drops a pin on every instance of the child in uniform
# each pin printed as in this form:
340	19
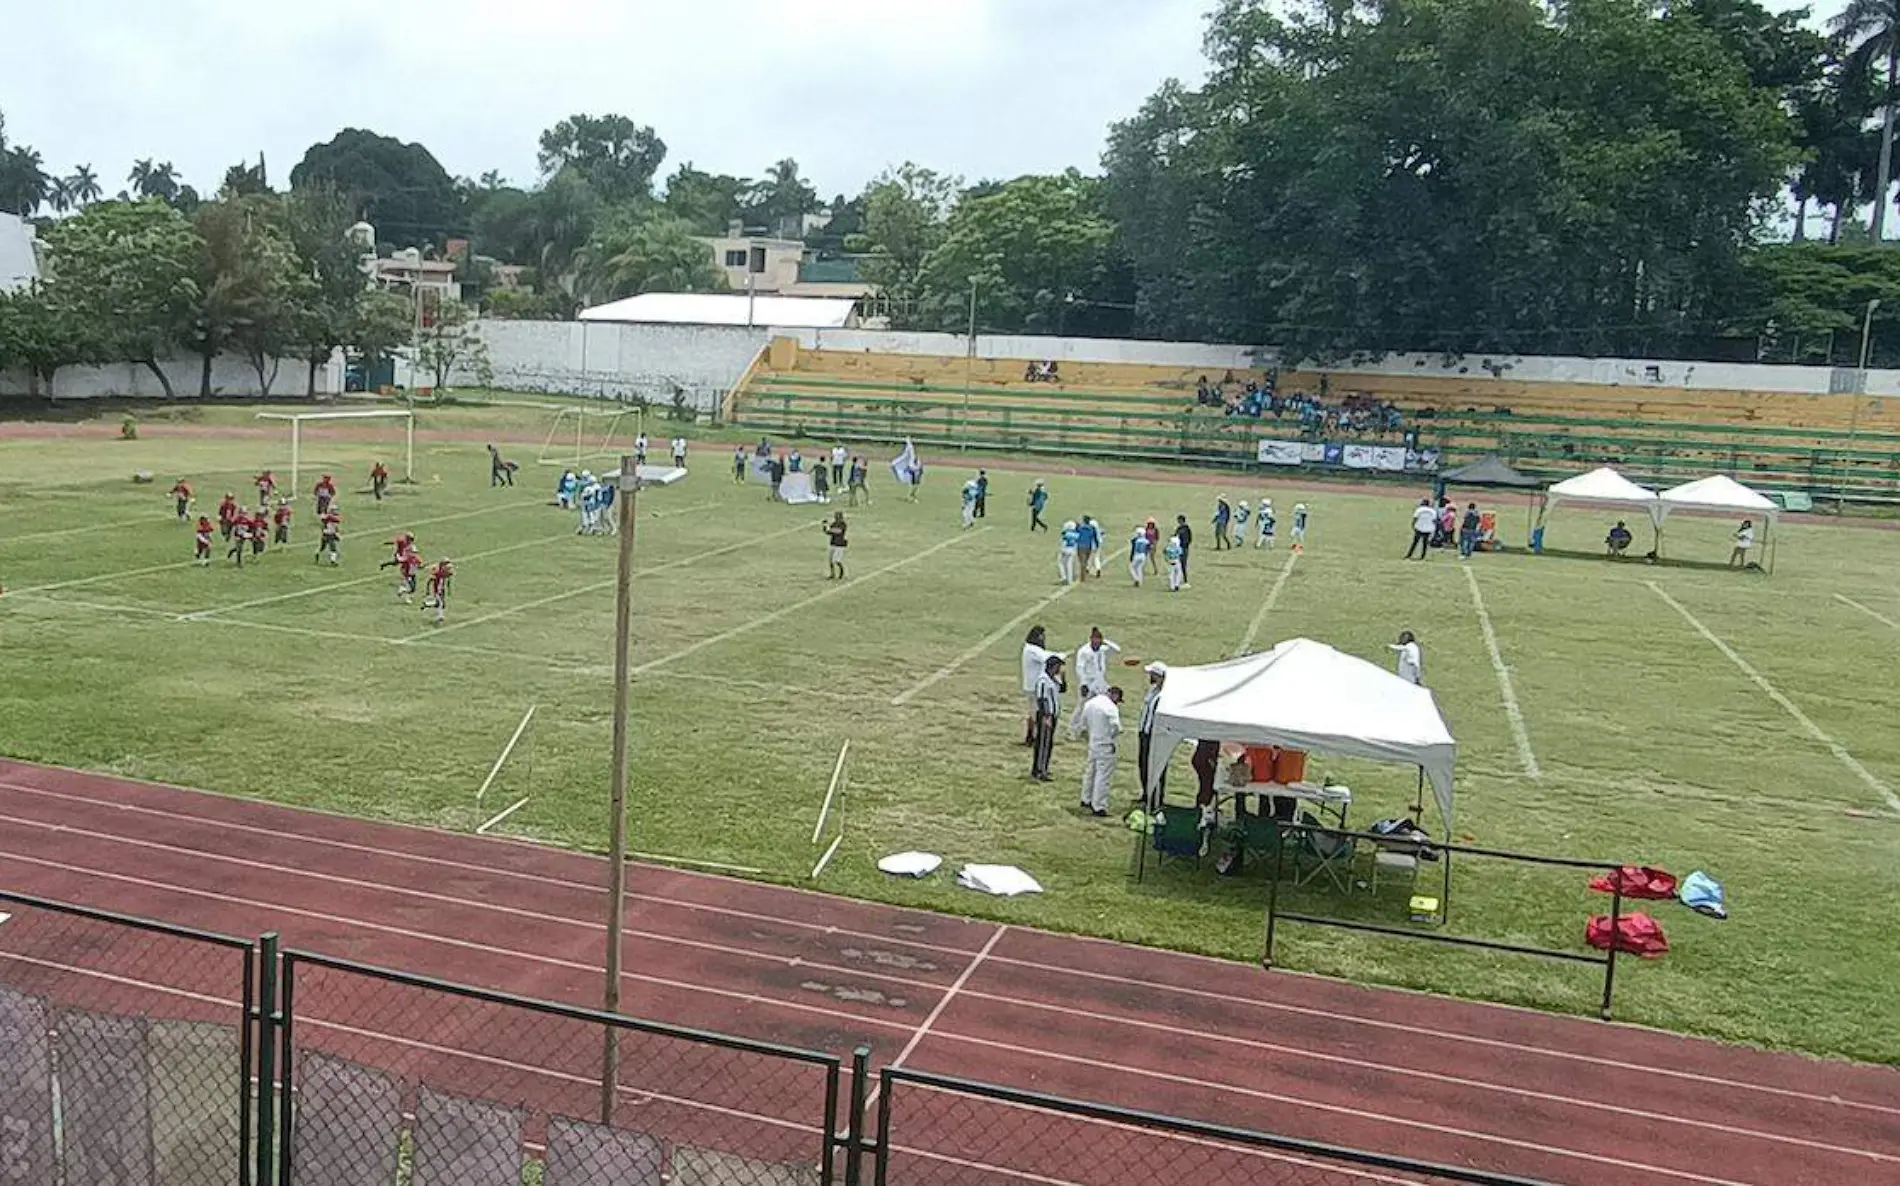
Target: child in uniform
266	486
260	531
238	531
1065	555
1269	523
326	494
378	480
1174	553
437	598
331	530
969	504
282	521
227	514
738	465
1138	549
835	532
203	553
181	494
1299	527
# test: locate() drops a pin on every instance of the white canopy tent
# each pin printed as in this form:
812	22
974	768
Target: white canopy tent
1606	489
1307	696
1720	494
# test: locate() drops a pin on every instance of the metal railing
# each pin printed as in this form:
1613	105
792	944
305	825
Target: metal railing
939	1129
128	1048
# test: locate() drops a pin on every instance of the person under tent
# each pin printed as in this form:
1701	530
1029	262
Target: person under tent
1619	540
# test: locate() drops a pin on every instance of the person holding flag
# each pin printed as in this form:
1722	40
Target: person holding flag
909	468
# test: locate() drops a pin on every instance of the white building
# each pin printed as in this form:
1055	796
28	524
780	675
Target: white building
19	253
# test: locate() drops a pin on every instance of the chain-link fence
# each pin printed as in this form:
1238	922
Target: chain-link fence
933	1130
406	1080
125	1049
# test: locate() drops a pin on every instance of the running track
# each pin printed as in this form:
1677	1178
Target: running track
1502	1089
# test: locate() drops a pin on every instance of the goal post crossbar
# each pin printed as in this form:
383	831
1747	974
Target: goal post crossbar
297	419
581	414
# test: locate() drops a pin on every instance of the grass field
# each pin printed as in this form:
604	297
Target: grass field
1770	764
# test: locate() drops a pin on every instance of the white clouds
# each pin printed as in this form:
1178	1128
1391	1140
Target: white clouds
976	87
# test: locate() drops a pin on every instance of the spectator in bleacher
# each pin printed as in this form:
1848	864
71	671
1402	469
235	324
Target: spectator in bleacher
1619	539
1204	394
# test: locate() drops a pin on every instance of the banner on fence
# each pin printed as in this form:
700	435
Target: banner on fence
1383	458
1281	452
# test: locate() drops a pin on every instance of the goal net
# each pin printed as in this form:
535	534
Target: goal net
580	435
346	445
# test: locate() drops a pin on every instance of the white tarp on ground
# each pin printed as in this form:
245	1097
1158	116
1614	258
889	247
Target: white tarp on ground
797	490
651	475
1718	493
1307	696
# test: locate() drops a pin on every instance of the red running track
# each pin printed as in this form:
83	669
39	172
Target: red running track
1490	1087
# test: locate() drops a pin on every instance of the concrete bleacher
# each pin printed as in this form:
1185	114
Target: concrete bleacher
1660	434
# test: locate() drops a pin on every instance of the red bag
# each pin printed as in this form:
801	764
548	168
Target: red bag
1637	882
1637	934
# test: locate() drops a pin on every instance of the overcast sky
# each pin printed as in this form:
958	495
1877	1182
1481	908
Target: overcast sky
980	88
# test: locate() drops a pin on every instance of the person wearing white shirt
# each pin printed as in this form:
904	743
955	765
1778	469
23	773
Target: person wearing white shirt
640	449
1424	523
1091	672
1157	678
679	452
1411	659
1102	717
1744	542
1048	700
838	457
1035	655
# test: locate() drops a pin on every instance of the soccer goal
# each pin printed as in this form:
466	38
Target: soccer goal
337	452
579	435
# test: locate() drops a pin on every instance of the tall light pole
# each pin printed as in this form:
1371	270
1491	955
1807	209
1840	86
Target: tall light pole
969	365
628	482
1860	393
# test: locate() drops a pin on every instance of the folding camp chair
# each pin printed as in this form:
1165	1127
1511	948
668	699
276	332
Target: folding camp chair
1323	852
1175	835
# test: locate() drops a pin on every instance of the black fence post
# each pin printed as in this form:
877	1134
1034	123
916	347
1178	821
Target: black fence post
1616	920
1273	900
286	1043
266	1055
883	1127
247	1052
854	1124
827	1165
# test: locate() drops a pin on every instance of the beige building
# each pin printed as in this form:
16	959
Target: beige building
782	267
407	272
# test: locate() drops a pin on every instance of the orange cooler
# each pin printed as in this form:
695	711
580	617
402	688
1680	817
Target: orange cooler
1290	766
1263	760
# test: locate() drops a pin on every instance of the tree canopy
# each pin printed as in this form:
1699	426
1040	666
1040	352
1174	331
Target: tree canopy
399	188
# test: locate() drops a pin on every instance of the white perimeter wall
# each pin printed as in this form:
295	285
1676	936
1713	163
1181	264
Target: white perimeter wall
619	361
231	376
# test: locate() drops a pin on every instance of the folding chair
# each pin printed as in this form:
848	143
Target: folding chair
1176	834
1322	851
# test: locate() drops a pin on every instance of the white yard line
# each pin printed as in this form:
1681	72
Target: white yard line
95	606
1001	632
147	520
1801	718
1877	616
597	586
943	1002
1266	607
296	594
503	814
1512	713
764	620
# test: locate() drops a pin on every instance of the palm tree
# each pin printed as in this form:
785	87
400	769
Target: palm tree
83	185
59	195
154	180
23	181
1870	32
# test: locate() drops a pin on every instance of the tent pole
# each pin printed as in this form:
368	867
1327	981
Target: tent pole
1418	800
1444	895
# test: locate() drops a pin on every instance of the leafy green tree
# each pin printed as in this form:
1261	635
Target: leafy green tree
905	211
1805	301
126	275
1032	250
707	202
617	157
400	188
256	294
452	344
40	337
638	250
556	225
380	324
317	221
518	304
245	180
